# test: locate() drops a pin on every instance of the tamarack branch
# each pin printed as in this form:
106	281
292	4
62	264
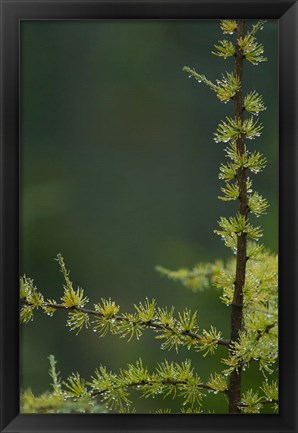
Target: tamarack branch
248	283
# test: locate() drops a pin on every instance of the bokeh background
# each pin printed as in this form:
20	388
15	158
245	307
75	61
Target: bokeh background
119	173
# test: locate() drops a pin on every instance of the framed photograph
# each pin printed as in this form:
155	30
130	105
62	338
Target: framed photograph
148	216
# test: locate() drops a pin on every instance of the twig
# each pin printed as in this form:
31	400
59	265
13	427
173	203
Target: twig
153	324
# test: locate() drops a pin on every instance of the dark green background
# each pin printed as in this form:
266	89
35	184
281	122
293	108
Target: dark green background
119	173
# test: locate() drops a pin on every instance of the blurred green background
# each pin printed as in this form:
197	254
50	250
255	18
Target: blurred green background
119	173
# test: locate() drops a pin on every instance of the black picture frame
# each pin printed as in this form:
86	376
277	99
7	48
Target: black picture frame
12	13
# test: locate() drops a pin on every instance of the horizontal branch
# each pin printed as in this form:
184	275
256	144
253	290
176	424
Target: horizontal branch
167	382
151	324
262	401
114	389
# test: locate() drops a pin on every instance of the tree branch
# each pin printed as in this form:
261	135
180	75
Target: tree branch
237	304
157	382
151	324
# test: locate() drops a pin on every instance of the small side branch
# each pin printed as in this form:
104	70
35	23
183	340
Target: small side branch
149	324
166	382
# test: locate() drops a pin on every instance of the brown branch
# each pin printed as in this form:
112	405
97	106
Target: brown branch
153	324
262	401
154	382
237	304
261	333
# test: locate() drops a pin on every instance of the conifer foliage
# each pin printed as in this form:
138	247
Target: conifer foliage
248	283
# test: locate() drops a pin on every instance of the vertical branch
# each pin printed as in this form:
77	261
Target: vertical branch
237	304
235	131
